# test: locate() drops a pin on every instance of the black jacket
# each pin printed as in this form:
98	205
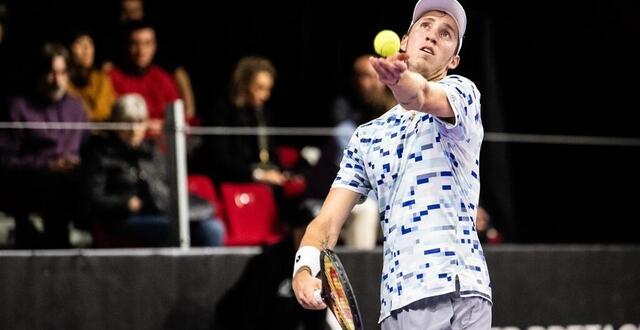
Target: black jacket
114	172
233	157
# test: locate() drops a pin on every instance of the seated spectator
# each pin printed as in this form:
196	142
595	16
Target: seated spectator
137	74
248	158
243	158
92	85
40	165
126	186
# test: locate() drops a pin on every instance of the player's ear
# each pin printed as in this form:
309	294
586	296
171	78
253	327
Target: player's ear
454	62
403	43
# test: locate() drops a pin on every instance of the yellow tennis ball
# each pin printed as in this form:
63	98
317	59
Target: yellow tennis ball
386	43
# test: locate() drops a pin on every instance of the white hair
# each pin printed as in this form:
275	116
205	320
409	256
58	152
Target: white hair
130	108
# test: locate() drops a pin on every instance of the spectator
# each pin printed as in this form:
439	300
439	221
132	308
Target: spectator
111	34
131	10
134	10
138	74
487	233
244	158
40	165
125	183
249	158
368	99
92	85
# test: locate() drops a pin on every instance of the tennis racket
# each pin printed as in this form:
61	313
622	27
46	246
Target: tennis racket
337	292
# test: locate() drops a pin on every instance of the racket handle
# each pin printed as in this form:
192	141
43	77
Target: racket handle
317	294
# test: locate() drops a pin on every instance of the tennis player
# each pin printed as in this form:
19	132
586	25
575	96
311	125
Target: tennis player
421	158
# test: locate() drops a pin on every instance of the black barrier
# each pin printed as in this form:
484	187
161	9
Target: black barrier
535	287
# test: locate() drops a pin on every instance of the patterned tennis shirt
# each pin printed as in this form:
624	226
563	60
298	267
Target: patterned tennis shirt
425	174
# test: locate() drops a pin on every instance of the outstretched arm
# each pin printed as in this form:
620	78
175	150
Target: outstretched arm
322	233
412	90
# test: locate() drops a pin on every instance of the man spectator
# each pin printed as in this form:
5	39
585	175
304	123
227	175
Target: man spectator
138	74
40	165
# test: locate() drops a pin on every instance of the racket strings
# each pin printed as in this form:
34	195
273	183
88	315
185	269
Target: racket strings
340	302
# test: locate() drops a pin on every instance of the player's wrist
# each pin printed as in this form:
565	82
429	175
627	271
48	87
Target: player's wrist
307	258
303	269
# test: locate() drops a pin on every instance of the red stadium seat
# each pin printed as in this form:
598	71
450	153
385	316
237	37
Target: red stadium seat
202	186
252	217
199	185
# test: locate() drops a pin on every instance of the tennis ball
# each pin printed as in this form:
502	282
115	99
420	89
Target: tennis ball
386	43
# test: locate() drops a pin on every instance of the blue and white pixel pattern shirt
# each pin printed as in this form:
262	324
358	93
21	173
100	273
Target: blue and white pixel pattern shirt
425	174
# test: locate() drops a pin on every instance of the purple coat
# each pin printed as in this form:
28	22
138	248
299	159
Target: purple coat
27	149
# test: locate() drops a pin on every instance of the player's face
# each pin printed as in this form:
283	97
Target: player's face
260	89
431	45
142	47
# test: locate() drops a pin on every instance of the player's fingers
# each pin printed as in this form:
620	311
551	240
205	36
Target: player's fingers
308	300
314	302
383	71
394	68
399	66
403	57
377	65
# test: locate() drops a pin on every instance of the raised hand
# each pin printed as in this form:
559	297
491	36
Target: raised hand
390	69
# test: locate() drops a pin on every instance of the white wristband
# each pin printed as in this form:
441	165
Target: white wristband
307	256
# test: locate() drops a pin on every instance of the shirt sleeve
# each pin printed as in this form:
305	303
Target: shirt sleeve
352	174
464	99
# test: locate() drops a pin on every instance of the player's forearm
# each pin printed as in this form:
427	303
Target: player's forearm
411	90
320	235
324	230
317	237
414	92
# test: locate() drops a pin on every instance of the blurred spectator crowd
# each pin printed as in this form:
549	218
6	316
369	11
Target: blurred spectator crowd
111	185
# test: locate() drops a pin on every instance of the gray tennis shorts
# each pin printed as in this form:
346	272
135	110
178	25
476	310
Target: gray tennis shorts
449	311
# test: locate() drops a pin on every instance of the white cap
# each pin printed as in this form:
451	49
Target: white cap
451	7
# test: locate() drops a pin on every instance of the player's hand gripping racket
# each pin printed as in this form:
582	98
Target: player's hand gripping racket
337	292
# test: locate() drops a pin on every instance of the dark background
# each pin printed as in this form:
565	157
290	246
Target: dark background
563	68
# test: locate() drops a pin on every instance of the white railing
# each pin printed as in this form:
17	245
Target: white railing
176	130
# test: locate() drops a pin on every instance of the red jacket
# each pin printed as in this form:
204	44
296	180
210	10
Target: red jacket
155	85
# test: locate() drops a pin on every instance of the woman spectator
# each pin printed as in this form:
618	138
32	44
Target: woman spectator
92	85
126	185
